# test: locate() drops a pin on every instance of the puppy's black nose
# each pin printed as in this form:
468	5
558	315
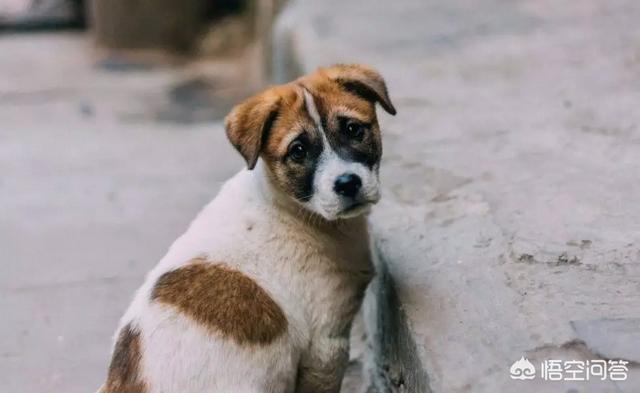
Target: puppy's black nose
347	184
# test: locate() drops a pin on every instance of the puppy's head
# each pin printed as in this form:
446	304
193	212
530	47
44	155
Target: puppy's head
319	138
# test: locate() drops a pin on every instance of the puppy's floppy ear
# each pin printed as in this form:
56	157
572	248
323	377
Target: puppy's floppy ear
248	124
363	81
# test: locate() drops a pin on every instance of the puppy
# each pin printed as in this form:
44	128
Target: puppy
258	295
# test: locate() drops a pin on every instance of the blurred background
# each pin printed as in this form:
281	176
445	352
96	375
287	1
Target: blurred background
509	225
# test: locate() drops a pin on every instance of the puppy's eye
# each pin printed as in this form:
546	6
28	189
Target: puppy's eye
354	130
297	151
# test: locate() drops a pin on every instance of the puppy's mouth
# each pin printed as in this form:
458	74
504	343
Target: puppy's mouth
356	209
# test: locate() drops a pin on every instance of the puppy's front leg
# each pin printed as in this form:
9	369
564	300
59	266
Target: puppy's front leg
323	365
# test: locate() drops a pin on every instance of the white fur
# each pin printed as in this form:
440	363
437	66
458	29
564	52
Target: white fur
315	271
325	201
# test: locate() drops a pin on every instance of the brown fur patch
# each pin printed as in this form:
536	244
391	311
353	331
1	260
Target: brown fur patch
223	300
124	370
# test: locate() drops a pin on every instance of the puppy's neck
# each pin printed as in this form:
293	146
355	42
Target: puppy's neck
284	204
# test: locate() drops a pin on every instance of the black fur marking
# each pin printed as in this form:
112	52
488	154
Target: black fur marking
366	151
301	174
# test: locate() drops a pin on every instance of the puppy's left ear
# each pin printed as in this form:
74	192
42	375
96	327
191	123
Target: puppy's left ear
363	81
248	124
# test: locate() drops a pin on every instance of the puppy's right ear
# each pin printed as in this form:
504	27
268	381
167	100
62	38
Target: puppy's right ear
248	125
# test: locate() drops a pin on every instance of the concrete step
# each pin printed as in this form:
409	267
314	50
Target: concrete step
508	226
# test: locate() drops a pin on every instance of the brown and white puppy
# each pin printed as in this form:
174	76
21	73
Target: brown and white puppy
259	294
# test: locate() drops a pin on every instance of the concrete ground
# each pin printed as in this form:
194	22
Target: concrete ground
99	172
509	223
